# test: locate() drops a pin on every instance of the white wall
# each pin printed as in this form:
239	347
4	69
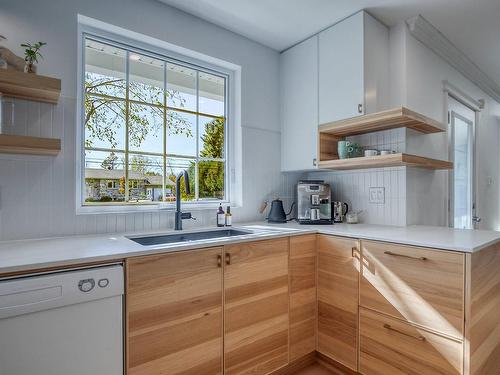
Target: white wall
37	194
424	75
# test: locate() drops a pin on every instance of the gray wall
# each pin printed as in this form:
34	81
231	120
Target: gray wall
37	194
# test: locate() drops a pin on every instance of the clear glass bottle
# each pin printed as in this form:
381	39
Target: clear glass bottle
229	217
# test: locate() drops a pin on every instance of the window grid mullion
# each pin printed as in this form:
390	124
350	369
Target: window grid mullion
165	130
196	165
127	110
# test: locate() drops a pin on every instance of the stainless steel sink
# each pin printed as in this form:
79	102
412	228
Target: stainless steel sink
165	239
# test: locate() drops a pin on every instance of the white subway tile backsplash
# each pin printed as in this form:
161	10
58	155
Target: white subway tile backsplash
353	188
37	194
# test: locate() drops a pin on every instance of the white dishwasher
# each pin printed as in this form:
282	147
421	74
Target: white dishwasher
64	323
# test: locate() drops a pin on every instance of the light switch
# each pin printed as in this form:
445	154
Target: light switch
376	195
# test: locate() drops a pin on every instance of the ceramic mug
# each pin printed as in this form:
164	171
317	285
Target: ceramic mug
342	149
354	150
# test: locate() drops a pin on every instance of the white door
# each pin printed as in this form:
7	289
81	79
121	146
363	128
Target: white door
462	182
299	106
341	73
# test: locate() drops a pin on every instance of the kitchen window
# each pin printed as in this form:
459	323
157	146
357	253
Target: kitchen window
146	117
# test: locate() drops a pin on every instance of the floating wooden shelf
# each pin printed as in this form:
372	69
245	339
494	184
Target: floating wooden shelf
18	144
400	117
29	86
380	161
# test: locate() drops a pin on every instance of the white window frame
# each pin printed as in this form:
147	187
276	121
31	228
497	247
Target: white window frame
233	178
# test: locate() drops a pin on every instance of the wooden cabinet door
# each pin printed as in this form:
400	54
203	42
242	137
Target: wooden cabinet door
299	106
338	281
256	307
174	313
303	304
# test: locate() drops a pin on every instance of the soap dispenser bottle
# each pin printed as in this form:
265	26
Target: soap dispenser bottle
221	216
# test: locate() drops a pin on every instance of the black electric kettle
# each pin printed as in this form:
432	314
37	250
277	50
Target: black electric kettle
277	212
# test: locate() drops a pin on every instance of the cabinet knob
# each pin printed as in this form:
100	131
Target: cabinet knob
228	259
360	108
315	162
219	261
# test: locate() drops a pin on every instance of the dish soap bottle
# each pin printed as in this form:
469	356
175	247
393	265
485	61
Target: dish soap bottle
229	216
221	216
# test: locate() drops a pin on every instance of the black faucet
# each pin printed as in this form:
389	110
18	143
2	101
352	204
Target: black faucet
179	215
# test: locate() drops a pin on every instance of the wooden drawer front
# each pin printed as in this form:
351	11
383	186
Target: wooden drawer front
302	283
256	320
338	276
391	347
422	286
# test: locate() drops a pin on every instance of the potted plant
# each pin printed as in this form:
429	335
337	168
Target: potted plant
31	55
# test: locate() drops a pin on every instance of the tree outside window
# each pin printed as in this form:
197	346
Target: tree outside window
146	119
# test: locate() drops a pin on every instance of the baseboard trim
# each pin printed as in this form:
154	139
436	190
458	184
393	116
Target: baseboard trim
334	366
297	365
312	358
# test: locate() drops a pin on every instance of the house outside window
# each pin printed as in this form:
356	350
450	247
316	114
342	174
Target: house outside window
147	117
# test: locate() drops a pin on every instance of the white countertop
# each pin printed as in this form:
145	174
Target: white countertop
26	255
462	240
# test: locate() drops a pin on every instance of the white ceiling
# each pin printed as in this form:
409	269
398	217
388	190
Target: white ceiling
472	25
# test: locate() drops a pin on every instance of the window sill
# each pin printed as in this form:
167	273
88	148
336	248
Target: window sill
91	209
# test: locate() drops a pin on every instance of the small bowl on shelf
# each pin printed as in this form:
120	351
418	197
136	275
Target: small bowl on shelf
371	152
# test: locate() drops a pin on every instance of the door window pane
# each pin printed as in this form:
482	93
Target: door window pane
462	173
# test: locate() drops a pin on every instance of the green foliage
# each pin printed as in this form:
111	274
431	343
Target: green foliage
105	116
211	173
111	162
32	51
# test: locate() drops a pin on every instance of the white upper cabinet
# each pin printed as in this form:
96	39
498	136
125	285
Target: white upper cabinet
340	73
353	68
299	106
341	86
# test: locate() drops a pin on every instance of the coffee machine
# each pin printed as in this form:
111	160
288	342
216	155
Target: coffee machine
314	202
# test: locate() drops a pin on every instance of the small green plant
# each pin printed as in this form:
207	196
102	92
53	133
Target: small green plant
32	51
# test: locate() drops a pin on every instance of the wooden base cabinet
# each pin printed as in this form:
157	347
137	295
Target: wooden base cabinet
174	313
303	305
256	307
338	280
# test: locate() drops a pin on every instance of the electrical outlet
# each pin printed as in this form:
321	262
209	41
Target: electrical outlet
376	195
